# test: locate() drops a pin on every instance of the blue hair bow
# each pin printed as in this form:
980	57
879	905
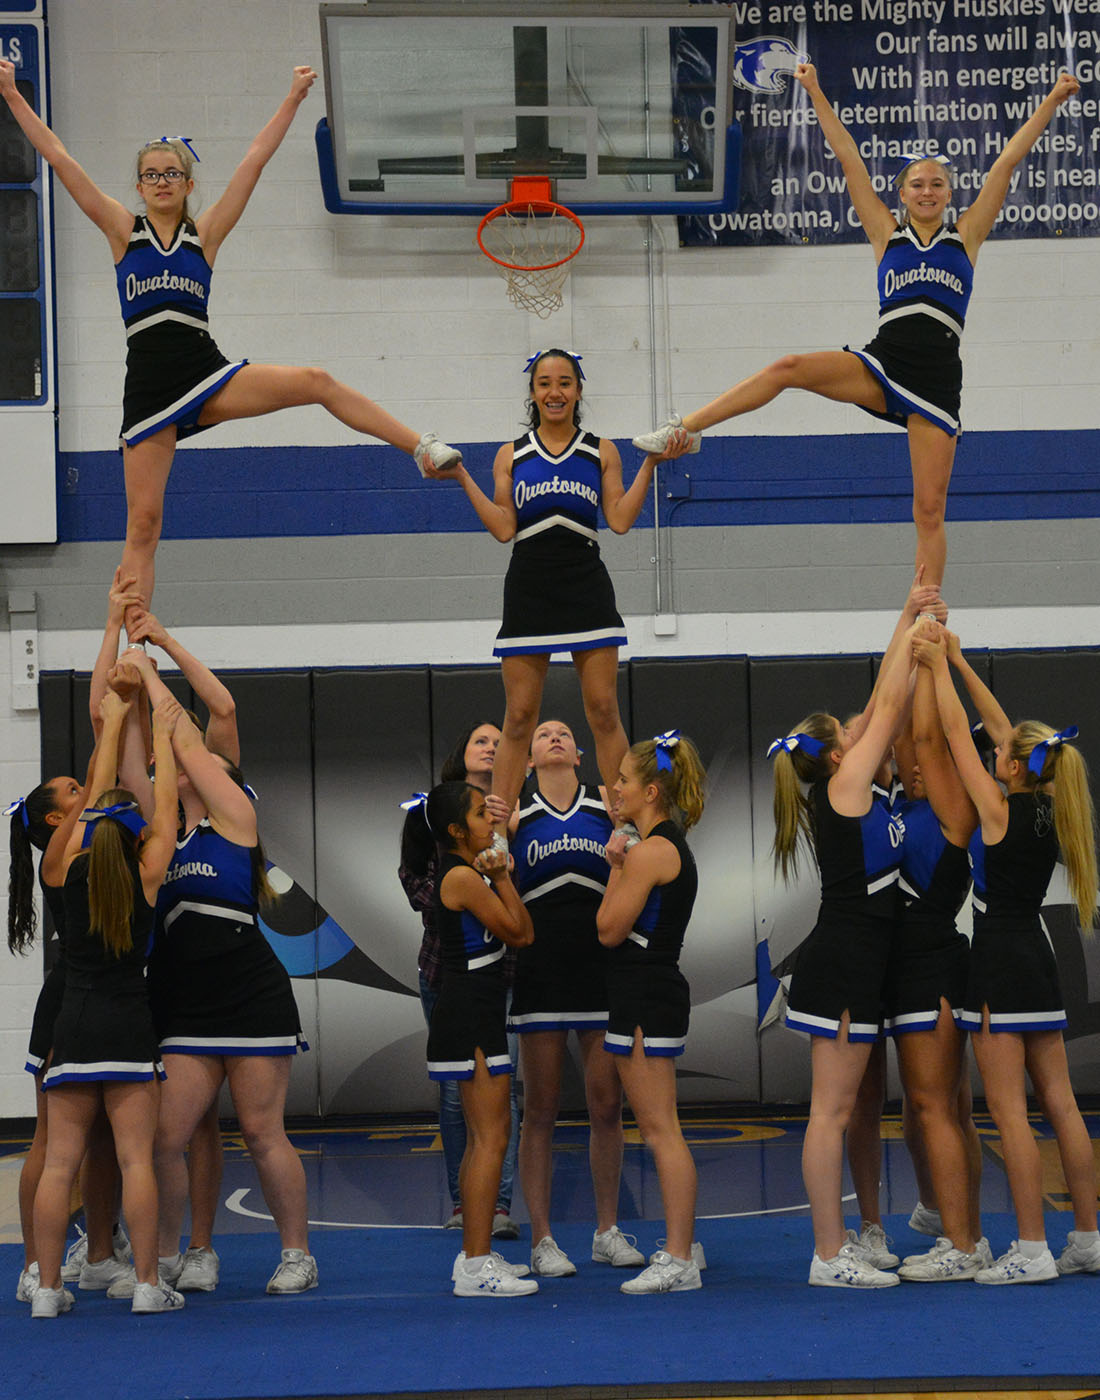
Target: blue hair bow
665	743
1036	759
796	741
127	814
534	359
20	806
251	792
418	799
908	158
184	141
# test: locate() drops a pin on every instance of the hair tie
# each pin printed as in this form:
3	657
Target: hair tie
534	359
1036	759
127	814
908	158
418	799
251	791
796	741
665	743
183	140
20	806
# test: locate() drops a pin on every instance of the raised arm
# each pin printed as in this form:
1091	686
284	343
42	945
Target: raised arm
221	732
230	810
499	514
984	791
123	594
219	220
113	711
922	597
943	787
160	837
877	220
621	506
850	785
135	749
997	724
975	223
108	215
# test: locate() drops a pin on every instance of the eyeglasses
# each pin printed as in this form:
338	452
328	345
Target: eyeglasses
154	177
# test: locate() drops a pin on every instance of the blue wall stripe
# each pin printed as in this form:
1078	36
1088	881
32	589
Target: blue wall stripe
219	492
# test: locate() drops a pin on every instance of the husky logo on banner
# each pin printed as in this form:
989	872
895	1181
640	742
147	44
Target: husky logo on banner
760	65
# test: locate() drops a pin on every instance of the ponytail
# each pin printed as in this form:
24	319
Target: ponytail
681	783
29	830
110	881
796	763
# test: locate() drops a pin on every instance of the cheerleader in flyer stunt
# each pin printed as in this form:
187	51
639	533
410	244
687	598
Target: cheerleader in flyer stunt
910	374
177	381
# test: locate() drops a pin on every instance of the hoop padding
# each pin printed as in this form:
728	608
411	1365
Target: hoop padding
532	243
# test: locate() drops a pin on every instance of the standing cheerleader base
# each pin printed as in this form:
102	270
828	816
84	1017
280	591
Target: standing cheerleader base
654	999
469	1016
1013	973
841	968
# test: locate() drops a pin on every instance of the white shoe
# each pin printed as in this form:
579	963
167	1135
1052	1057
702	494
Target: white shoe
516	1270
926	1221
75	1258
874	1247
48	1302
99	1276
1014	1267
120	1243
155	1298
550	1261
1076	1258
657	441
430	451
942	1264
28	1284
849	1269
491	1281
665	1275
698	1256
200	1271
614	1248
297	1273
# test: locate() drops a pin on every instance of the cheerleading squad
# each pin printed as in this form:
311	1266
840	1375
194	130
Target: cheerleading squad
154	890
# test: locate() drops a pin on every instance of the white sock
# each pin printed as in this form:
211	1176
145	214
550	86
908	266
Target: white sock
1087	1236
1031	1249
474	1265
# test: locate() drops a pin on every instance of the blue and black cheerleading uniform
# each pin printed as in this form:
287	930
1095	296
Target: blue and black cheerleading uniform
645	985
172	363
930	958
924	291
561	874
842	964
557	592
217	987
48	1006
469	1014
1012	965
104	1030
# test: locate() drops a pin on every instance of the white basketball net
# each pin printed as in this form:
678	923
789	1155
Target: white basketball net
533	240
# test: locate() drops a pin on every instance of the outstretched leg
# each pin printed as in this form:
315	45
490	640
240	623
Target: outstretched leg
259	389
146	467
524	678
834	374
598	671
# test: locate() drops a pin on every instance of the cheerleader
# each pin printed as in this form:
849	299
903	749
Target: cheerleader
177	381
1035	808
558	836
104	1045
836	990
642	919
547	488
467	1041
223	1002
911	373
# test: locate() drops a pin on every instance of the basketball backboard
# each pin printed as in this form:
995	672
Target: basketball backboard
435	106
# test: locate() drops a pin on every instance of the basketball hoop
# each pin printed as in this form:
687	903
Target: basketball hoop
532	240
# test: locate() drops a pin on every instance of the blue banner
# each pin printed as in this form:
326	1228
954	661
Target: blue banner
955	77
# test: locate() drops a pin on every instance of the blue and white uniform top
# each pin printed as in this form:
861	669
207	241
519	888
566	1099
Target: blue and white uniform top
1011	878
658	932
158	284
933	279
559	856
562	490
465	944
935	875
859	857
207	904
